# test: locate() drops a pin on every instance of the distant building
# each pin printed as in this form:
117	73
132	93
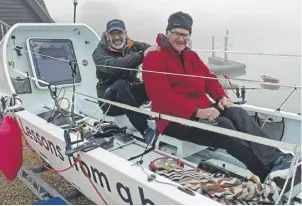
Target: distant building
22	11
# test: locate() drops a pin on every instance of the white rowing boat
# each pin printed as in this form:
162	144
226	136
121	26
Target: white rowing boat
29	51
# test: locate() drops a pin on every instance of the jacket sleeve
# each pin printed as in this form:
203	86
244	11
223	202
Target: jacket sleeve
159	90
141	46
105	63
213	86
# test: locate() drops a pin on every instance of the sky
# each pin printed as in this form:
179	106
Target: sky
218	8
272	26
272	21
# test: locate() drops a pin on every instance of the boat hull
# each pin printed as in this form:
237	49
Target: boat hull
118	180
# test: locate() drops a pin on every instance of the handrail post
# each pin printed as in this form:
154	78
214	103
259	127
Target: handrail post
226	46
213	46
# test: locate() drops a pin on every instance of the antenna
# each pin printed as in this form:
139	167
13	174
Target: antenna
75	3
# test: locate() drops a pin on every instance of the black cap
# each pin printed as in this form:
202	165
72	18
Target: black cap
116	24
180	20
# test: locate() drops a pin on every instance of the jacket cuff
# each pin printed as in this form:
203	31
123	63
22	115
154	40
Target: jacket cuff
220	98
193	117
141	54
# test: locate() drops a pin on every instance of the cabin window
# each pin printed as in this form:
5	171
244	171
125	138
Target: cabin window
50	61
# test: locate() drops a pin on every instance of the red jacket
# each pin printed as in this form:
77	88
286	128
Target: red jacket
178	96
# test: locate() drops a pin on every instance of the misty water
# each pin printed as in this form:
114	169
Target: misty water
272	26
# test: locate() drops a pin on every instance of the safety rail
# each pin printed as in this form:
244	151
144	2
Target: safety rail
4	27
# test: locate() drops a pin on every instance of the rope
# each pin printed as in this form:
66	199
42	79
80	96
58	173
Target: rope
168	73
239	52
86	174
41	161
66	169
77	159
55	98
278	109
250	53
228	132
237	134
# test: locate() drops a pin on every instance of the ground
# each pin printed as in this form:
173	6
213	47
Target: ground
16	193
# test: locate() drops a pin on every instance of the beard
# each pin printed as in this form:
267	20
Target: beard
118	43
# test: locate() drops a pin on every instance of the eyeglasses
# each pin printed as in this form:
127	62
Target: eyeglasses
176	35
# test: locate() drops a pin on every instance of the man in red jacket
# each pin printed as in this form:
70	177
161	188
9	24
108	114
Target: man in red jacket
185	97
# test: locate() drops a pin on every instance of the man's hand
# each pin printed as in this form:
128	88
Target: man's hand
152	48
209	113
225	103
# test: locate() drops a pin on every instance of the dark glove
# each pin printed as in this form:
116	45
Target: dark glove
216	107
133	76
126	75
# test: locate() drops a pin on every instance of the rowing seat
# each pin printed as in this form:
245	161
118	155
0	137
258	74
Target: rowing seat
183	148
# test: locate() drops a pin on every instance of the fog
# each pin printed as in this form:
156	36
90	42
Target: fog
272	26
266	20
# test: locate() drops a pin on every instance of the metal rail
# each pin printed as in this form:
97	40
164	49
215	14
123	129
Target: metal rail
248	52
31	179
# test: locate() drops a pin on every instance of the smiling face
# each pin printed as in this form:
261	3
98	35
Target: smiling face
178	38
117	38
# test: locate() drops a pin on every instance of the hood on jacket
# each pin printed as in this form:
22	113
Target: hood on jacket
104	41
163	42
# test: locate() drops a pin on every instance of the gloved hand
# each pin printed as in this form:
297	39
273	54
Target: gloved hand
133	76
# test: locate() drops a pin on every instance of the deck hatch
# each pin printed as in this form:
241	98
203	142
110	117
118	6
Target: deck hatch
45	55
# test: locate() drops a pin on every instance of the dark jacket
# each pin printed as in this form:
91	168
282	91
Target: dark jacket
131	58
173	95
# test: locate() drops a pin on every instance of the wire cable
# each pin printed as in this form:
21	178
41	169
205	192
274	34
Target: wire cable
279	108
168	73
156	115
152	113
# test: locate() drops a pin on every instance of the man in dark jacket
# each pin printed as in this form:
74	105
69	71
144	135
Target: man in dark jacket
114	54
185	97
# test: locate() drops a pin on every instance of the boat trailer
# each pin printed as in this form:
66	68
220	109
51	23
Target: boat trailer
31	179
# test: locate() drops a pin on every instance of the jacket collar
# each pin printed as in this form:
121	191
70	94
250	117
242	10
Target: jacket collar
165	45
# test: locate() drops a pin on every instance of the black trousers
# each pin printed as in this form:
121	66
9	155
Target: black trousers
122	92
256	157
